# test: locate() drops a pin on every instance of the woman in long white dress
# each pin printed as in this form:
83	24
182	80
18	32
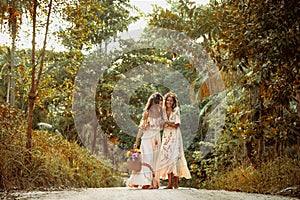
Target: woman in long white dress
171	161
149	133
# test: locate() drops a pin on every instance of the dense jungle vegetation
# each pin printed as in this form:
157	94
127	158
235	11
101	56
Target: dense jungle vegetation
248	96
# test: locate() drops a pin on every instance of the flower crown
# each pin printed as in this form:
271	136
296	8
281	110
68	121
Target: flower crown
155	95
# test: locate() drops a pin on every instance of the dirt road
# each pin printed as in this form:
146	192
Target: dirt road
125	193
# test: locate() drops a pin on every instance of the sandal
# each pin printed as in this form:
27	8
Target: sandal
146	187
133	186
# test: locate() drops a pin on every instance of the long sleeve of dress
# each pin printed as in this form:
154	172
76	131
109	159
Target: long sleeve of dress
175	116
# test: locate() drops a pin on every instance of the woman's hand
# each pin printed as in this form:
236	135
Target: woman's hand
135	145
167	124
170	124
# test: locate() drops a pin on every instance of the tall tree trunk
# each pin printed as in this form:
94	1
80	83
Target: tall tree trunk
32	93
11	80
261	114
31	101
260	148
249	150
35	82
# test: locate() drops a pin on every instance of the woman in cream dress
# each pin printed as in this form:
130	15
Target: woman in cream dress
149	133
171	160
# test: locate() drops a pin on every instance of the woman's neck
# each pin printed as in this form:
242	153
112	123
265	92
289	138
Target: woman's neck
169	109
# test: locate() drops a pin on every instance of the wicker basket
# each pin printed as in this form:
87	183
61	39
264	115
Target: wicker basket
135	165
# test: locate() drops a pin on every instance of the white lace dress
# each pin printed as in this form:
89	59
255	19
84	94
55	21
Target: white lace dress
171	157
150	145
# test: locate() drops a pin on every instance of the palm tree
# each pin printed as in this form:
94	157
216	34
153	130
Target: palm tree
11	14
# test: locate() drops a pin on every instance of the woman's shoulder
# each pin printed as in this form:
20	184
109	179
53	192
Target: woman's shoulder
176	109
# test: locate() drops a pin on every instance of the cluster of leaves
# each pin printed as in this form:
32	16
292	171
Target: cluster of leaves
263	53
56	163
54	104
94	21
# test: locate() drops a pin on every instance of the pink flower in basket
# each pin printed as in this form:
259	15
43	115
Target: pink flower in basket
133	154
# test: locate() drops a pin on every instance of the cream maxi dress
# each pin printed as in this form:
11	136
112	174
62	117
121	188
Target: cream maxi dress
171	157
150	145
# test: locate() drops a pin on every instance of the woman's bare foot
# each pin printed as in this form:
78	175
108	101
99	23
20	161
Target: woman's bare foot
176	178
154	187
169	187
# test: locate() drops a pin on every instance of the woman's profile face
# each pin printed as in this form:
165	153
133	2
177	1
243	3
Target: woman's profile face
160	103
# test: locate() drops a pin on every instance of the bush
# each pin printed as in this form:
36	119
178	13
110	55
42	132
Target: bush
55	162
270	178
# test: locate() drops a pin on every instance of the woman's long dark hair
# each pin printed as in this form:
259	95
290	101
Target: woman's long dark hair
155	98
